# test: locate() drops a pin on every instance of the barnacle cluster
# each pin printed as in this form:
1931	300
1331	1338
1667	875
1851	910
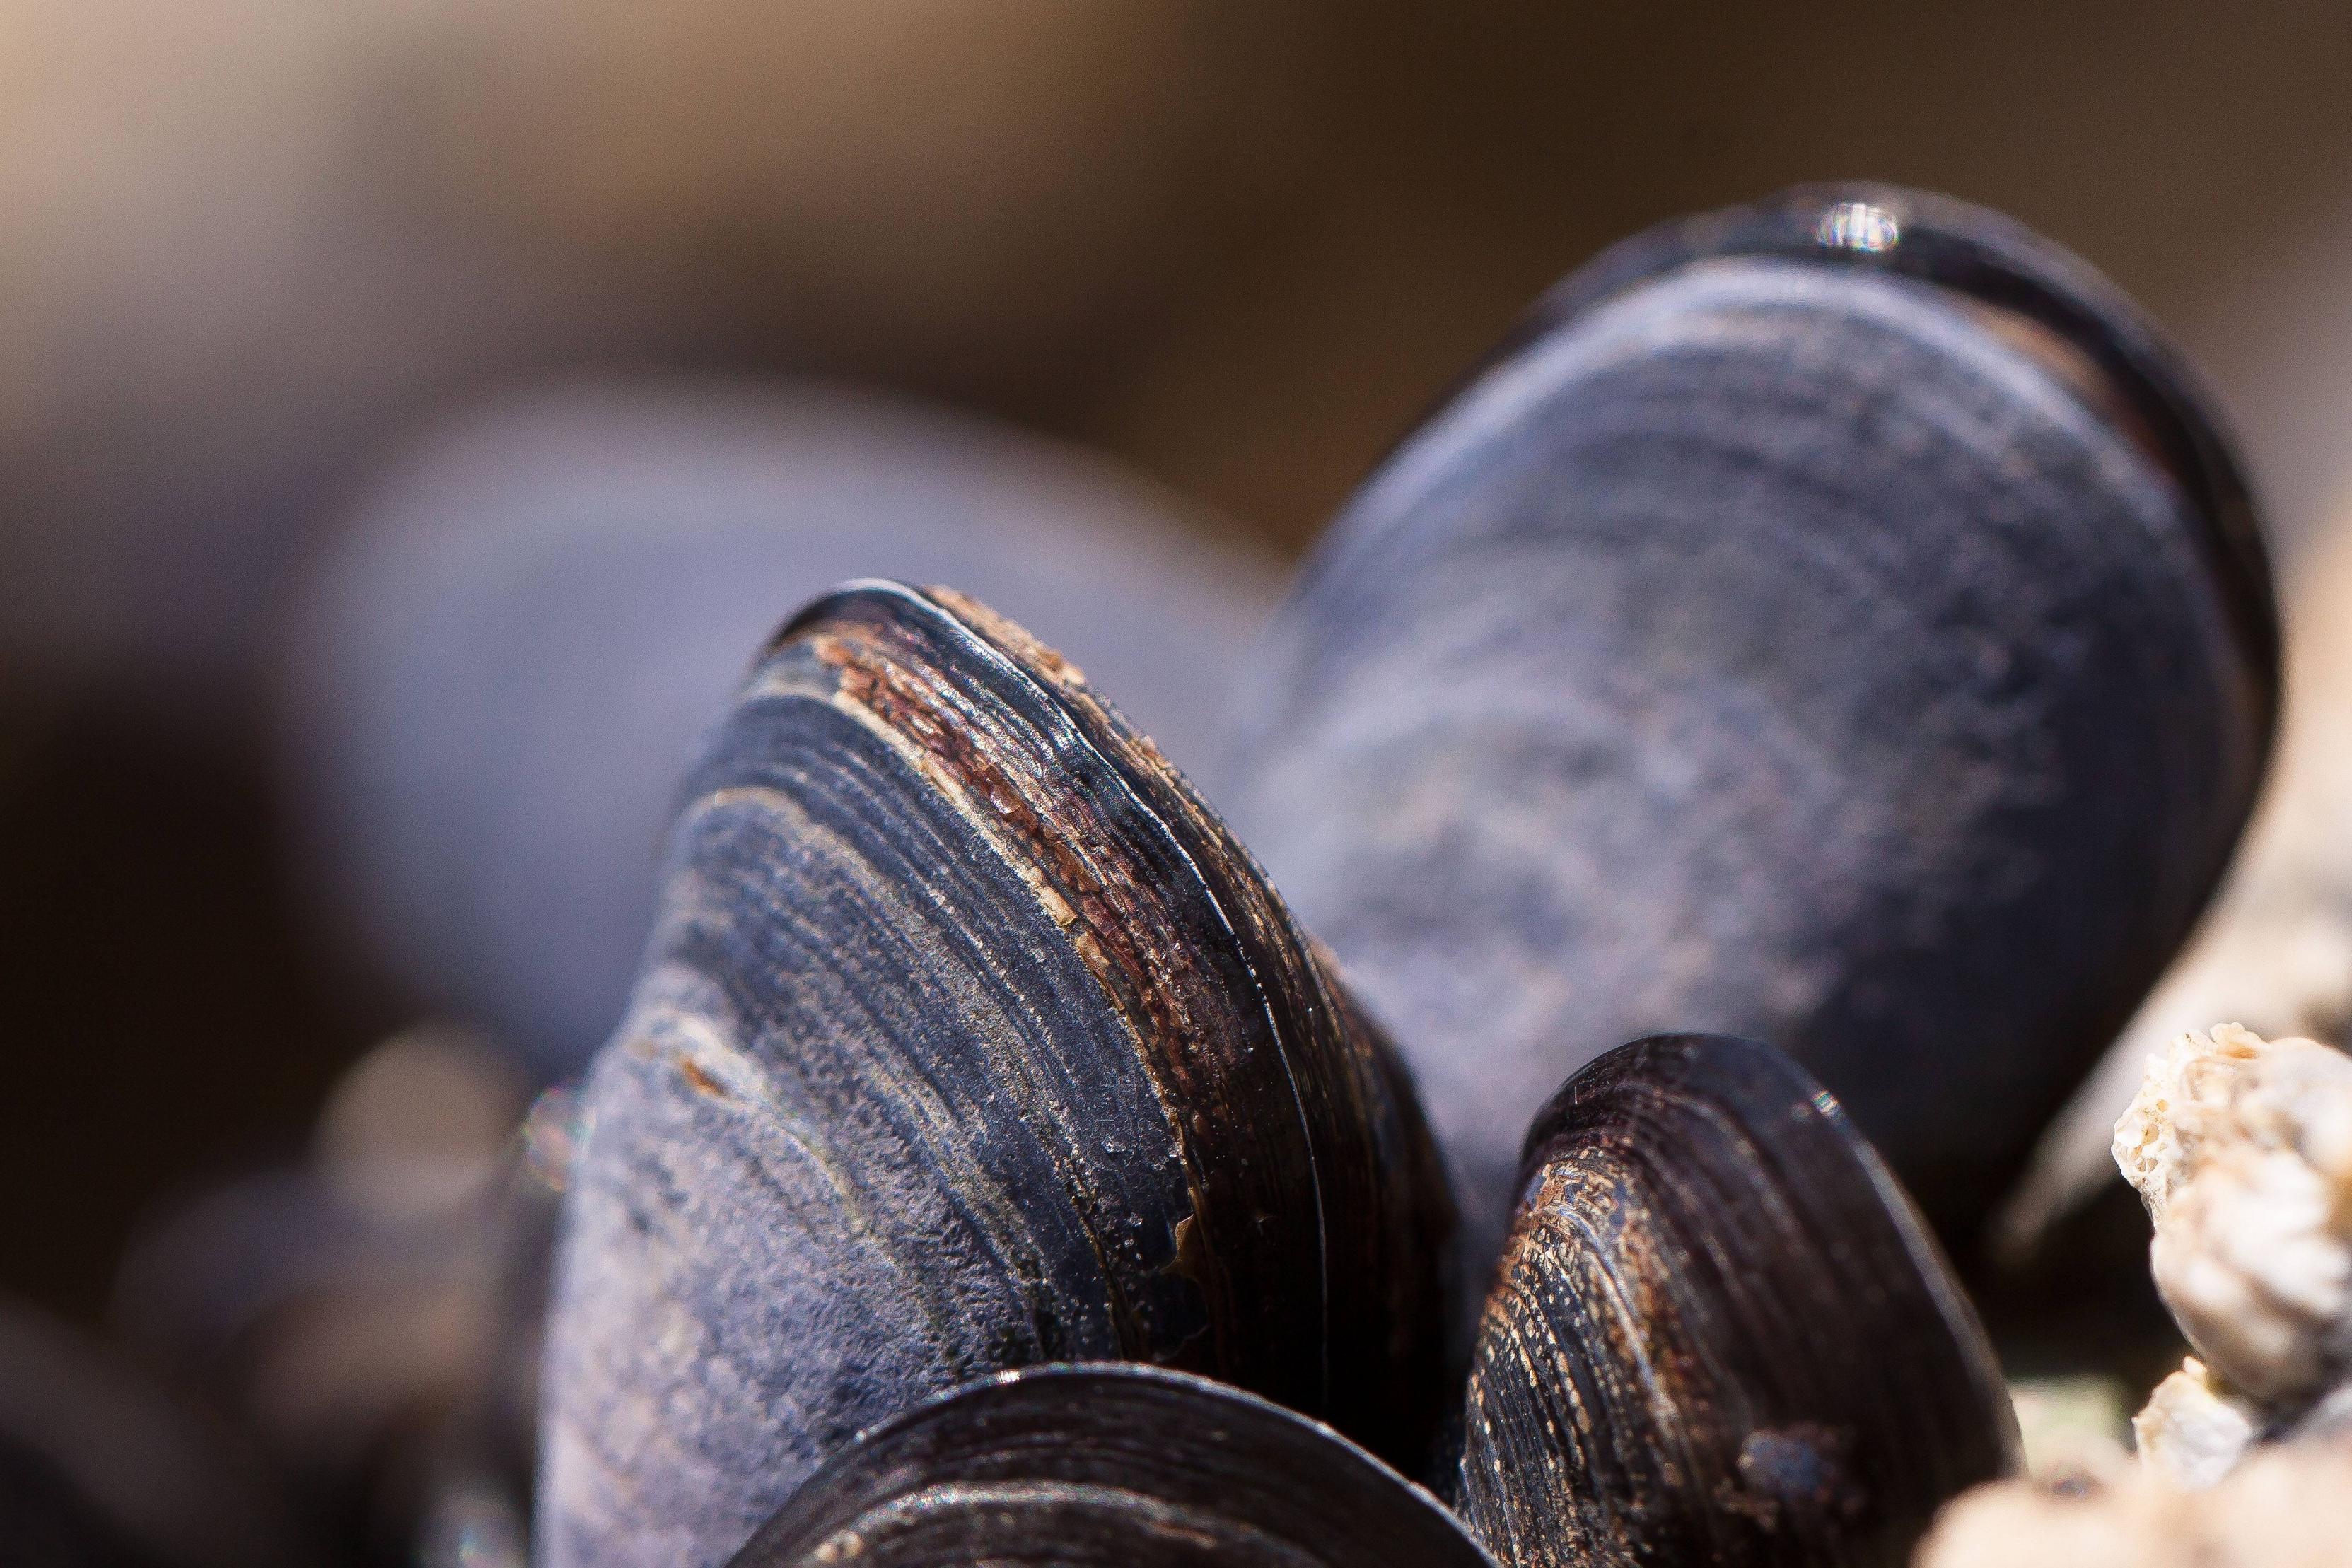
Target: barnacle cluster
1818	611
2242	1149
2281	1508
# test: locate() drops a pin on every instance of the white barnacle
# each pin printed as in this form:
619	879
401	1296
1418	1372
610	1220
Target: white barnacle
2281	1508
2242	1149
2193	1430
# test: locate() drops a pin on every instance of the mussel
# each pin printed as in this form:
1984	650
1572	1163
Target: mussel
967	1039
1114	1466
1720	1333
1836	621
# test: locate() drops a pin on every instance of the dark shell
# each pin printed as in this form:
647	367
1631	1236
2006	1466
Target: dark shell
969	1039
1720	1334
1111	1465
1834	621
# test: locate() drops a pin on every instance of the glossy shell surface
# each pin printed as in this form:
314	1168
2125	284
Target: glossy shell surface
1721	1335
1110	1466
967	1039
1833	622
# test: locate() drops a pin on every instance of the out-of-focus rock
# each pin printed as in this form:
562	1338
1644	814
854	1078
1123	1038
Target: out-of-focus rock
2194	1430
371	1315
420	1123
2071	1427
2284	1509
101	1466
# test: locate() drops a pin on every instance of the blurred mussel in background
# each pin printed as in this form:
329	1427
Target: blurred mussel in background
507	658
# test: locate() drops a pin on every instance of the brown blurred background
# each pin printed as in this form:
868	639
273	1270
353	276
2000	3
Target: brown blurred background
253	246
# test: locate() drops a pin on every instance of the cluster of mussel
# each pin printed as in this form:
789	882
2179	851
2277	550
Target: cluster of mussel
1833	623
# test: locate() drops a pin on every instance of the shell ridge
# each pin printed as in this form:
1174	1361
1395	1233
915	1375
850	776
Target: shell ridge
1067	733
1072	1161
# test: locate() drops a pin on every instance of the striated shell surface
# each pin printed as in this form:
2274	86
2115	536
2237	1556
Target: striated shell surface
1834	621
967	1039
1720	1334
1111	1465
